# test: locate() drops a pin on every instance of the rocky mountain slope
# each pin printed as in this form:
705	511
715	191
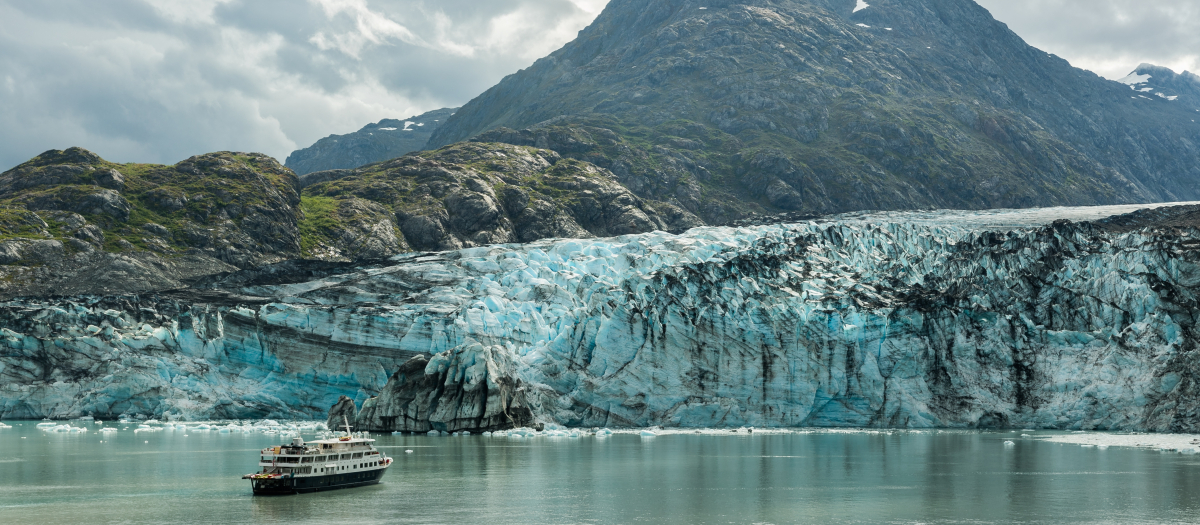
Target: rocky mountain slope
900	320
383	140
73	223
472	194
732	107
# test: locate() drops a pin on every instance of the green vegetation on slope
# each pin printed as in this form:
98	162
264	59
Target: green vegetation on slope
234	207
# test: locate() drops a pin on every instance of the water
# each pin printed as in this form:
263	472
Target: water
806	477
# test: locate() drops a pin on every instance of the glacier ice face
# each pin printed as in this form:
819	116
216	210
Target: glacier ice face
877	320
849	324
166	358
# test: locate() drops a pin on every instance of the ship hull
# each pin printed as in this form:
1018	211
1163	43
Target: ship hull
306	484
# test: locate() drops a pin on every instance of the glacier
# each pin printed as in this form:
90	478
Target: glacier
907	320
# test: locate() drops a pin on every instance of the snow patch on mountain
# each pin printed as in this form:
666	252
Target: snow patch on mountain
1134	79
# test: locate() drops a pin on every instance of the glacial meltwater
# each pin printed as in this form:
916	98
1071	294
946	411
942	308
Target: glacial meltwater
797	476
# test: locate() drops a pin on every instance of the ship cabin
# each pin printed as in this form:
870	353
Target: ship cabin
327	456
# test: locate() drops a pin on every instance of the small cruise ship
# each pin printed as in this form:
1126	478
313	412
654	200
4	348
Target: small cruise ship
326	464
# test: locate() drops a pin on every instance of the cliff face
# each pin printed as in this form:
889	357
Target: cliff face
910	320
739	107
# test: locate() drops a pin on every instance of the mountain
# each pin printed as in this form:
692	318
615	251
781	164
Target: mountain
727	108
386	139
1149	80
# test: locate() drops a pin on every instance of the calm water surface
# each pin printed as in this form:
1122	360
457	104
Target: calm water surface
818	477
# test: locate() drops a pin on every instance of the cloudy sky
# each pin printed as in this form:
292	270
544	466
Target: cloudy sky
161	80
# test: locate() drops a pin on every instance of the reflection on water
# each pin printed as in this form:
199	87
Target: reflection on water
819	477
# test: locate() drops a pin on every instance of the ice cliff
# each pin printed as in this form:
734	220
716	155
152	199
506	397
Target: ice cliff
886	320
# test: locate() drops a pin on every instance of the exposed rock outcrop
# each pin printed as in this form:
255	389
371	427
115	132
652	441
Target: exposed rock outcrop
472	388
341	413
475	194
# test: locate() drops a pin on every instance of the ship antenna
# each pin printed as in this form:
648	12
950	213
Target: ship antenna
347	421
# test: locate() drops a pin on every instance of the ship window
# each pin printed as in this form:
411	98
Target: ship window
345	456
306	460
358	455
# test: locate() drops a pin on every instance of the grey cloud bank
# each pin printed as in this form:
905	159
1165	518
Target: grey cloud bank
161	80
1108	37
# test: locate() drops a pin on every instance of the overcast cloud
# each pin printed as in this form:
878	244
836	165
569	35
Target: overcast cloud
1109	37
161	80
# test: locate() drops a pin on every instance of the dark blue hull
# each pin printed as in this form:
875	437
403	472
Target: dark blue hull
305	484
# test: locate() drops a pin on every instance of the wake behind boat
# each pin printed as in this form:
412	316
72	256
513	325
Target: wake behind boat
326	464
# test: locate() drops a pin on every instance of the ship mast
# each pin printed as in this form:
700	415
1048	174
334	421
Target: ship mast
347	421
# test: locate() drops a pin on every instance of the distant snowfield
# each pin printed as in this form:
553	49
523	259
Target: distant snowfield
861	5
